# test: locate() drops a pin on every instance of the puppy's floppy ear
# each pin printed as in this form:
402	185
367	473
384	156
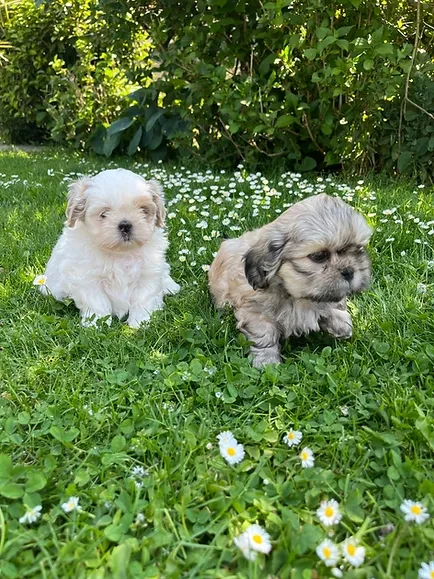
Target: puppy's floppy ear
76	207
158	199
263	260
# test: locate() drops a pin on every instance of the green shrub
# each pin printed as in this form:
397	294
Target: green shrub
61	78
143	125
306	82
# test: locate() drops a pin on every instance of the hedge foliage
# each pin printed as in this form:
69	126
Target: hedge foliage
310	83
61	77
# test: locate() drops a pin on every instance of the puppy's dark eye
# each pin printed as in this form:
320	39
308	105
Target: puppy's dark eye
145	210
319	256
103	215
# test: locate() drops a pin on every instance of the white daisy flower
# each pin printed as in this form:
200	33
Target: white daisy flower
259	539
414	511
225	437
292	437
71	505
328	513
205	267
31	515
232	451
40	280
352	553
426	570
242	542
328	552
306	457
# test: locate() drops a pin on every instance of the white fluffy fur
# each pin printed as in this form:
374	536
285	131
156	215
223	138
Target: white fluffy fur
105	271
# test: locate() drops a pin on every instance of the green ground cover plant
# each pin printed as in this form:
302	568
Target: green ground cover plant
110	466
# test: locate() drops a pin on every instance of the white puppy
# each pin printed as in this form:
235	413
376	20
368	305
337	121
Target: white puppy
110	258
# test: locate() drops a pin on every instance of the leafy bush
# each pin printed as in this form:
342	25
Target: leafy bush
306	82
141	125
61	78
407	138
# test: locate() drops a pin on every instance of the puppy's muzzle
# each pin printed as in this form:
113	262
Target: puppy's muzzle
347	273
125	228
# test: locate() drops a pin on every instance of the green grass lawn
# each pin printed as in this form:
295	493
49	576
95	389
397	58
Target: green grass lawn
127	421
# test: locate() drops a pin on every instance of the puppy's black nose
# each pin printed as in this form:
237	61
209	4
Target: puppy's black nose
347	273
125	226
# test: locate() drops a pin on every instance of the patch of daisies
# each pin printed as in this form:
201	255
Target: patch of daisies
337	556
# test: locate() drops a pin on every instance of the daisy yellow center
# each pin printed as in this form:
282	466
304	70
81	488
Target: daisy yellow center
329	512
40	281
304	456
231	451
291	435
326	552
351	550
257	539
416	510
431	575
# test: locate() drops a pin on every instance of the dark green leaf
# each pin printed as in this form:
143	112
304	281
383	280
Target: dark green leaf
310	53
150	124
404	161
119	126
134	143
285	121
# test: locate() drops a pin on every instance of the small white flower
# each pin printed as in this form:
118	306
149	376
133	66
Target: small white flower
414	511
421	288
232	451
209	446
31	515
328	513
225	436
205	267
182	258
138	471
306	457
403	253
259	539
71	505
218	394
292	437
328	552
344	410
242	542
171	215
426	570
352	553
40	280
336	572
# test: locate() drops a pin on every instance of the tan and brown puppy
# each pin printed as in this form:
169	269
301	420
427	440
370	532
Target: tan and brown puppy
293	276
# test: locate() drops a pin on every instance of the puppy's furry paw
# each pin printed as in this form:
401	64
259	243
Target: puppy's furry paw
338	324
136	321
171	287
263	356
